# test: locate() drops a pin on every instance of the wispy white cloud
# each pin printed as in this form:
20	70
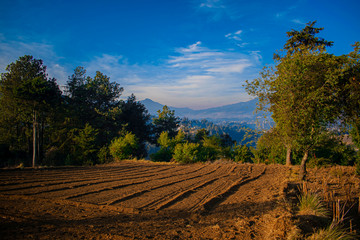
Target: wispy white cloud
237	67
299	21
201	77
213	4
209	60
194	76
236	37
217	9
11	50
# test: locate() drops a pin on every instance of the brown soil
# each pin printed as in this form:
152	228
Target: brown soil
141	200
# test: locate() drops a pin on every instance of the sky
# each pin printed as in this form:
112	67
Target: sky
182	53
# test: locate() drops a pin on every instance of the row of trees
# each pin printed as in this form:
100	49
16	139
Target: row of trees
87	123
40	124
199	147
309	93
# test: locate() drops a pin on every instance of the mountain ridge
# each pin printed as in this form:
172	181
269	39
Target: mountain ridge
241	111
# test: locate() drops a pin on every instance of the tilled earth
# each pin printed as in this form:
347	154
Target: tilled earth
141	200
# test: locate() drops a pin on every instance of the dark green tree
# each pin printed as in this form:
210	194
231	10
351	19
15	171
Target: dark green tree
90	98
201	134
349	96
26	98
166	121
300	90
135	118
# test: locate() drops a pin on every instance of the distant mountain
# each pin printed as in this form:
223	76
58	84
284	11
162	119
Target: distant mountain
242	111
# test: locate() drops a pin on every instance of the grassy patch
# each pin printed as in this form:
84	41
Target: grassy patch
311	204
332	232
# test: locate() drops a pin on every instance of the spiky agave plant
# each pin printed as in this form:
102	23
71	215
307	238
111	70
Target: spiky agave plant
311	204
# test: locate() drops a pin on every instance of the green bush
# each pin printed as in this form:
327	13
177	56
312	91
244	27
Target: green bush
186	152
330	147
124	147
242	154
319	162
270	149
163	155
104	155
83	147
210	149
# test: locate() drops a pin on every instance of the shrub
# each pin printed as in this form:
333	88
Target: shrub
164	141
124	147
242	154
163	155
270	149
330	147
210	149
83	150
104	155
333	232
319	162
186	152
311	204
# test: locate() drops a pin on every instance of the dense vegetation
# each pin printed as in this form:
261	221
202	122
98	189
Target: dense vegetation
313	97
310	93
39	123
87	123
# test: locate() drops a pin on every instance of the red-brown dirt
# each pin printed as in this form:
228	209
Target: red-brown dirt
141	200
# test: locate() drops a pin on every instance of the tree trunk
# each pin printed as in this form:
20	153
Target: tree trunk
288	156
40	147
302	173
34	140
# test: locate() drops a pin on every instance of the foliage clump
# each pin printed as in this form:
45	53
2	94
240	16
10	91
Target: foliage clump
199	147
309	91
42	125
124	146
242	154
186	153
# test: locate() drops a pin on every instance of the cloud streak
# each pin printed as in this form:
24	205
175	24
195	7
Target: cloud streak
197	57
193	76
11	50
198	77
217	9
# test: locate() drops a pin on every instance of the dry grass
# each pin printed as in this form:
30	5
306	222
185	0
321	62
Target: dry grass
311	204
333	232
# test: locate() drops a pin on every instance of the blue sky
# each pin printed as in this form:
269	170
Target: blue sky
183	53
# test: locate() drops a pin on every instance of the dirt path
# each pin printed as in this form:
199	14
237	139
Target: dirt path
140	200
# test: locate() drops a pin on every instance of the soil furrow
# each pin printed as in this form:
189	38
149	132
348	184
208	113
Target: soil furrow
85	192
196	198
76	175
216	200
182	195
154	187
168	194
59	185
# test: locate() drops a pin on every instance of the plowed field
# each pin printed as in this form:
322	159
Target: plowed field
139	200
